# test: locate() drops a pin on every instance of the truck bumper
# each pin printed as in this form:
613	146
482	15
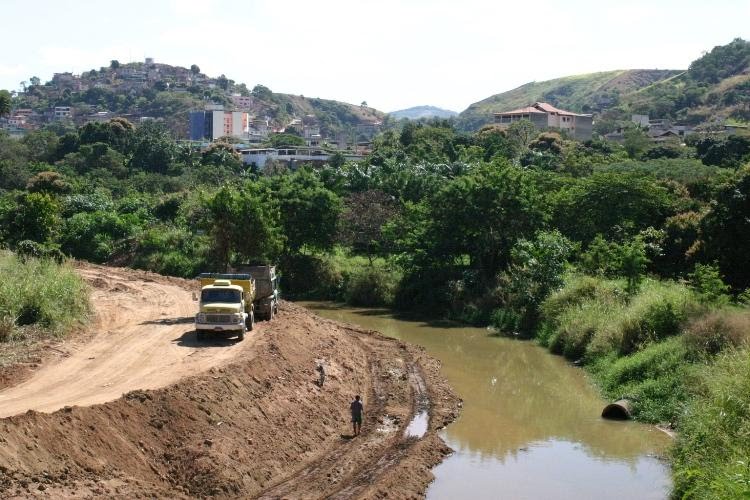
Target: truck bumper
221	327
214	327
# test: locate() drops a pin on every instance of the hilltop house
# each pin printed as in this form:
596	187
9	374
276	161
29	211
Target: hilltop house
544	115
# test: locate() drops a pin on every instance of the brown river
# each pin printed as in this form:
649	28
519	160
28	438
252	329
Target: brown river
530	426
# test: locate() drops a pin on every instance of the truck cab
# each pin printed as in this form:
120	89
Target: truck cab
226	305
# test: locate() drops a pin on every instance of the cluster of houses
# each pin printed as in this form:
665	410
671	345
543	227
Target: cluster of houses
238	120
215	122
23	120
658	130
119	79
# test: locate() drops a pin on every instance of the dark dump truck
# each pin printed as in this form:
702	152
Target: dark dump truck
266	290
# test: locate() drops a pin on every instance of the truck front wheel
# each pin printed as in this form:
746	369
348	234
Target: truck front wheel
250	321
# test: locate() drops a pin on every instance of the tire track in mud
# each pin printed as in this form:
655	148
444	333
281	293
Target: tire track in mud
338	466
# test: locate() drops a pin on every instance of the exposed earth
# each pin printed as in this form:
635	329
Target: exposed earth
139	408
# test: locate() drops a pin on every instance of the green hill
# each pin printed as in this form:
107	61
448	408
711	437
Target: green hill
589	93
135	90
716	87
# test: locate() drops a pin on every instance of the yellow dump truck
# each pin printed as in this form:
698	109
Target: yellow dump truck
226	304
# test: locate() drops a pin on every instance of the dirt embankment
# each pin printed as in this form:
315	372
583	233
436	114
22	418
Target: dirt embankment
220	418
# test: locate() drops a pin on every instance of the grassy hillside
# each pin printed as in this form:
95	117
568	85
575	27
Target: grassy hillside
586	93
716	87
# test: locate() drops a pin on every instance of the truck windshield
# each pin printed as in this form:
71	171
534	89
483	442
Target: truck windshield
217	295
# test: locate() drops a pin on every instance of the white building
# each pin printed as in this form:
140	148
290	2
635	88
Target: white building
62	112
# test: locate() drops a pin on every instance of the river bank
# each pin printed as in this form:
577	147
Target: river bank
530	426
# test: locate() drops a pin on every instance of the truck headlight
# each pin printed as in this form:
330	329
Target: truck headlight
238	318
200	318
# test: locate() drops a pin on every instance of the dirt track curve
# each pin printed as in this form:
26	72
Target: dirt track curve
140	408
143	340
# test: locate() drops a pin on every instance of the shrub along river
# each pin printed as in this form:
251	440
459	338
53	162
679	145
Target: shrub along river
531	426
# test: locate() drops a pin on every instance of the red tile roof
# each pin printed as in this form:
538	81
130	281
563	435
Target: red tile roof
521	111
540	107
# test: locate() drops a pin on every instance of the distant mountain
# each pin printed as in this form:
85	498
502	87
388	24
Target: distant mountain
418	112
589	93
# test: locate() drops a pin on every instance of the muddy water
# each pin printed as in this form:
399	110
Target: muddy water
530	427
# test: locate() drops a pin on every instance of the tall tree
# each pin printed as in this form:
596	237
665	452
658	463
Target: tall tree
153	148
363	219
309	211
5	103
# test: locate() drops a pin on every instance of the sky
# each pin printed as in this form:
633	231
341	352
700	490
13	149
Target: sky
392	54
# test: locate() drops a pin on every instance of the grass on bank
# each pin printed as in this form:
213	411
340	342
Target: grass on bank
647	347
39	297
678	358
712	453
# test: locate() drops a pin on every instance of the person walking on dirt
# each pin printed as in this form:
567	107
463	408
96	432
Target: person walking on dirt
357	408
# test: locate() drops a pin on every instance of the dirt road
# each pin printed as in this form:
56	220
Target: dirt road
220	419
142	340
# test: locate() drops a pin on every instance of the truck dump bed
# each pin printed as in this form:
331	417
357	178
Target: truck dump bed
244	280
265	279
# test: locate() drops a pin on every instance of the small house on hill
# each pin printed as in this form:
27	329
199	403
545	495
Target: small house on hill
544	115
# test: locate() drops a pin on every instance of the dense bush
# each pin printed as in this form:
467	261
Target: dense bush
718	330
592	318
39	294
371	286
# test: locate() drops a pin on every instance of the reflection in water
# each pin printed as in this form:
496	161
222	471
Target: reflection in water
418	425
530	426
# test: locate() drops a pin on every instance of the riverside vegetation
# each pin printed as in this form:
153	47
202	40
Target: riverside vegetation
632	260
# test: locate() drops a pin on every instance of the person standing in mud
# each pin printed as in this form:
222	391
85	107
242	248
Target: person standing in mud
357	409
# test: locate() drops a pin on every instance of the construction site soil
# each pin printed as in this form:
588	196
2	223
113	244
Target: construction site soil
138	408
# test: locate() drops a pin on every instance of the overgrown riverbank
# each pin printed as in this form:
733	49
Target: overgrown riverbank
680	356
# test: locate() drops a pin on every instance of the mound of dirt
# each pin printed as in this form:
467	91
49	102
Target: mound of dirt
254	424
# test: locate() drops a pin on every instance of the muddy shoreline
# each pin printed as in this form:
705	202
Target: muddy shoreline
258	425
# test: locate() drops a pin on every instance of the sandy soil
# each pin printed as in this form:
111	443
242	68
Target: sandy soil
143	409
143	340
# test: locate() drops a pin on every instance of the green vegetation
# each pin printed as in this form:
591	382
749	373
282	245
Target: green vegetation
633	262
711	454
39	297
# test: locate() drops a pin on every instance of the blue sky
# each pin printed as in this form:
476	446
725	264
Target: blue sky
393	54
